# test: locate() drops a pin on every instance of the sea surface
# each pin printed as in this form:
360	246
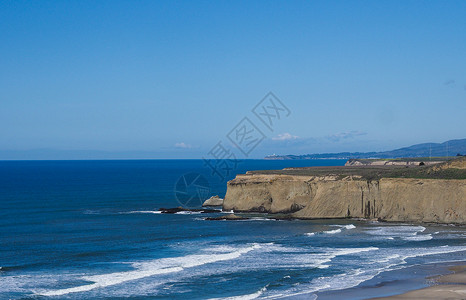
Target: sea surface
91	229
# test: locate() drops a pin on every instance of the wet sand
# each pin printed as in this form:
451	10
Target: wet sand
450	286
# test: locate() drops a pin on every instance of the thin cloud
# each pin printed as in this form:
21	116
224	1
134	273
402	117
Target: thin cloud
285	137
345	135
183	145
450	82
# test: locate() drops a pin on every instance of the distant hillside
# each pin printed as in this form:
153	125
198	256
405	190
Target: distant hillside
448	148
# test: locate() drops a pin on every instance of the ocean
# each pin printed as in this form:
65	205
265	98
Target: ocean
91	229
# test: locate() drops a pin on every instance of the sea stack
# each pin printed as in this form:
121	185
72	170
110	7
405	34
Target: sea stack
213	201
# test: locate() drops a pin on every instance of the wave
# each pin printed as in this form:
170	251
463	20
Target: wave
357	276
419	252
350	226
91	212
150	268
259	219
424	237
321	259
285	257
371	262
334	231
403	232
336	282
245	297
142	212
347	251
360	265
188	213
398	261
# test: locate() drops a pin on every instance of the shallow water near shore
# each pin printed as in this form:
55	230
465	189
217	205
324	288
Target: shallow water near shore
90	229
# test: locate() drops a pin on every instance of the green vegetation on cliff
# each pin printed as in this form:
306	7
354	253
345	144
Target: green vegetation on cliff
452	169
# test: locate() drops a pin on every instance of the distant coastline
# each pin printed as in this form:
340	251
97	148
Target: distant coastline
436	151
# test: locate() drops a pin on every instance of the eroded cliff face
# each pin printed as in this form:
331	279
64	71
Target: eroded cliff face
390	199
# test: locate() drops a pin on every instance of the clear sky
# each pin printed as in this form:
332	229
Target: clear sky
170	79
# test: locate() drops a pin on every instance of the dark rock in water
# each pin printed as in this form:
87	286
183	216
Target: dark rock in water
227	217
171	210
174	210
208	211
285	217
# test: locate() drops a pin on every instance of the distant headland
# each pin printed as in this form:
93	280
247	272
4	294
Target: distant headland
388	190
430	150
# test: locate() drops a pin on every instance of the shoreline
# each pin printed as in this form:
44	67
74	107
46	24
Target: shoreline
399	284
446	286
290	217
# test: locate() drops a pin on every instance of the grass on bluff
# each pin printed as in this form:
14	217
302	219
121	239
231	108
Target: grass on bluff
427	173
407	159
369	172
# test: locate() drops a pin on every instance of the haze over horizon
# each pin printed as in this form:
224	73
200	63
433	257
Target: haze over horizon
172	79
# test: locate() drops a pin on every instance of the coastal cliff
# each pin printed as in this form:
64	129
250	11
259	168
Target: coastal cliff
342	196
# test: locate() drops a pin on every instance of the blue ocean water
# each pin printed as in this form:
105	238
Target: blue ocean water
90	229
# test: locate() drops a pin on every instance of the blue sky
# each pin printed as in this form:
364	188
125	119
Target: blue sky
170	79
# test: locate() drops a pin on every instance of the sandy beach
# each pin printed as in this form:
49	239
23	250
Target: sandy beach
450	286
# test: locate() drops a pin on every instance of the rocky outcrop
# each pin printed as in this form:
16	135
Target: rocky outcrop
390	199
213	201
181	209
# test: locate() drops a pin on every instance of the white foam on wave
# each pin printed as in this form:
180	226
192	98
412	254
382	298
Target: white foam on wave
355	277
403	232
346	251
142	212
255	219
423	237
336	282
334	231
188	213
320	260
450	234
398	261
151	268
419	252
245	297
258	219
278	248
399	230
221	248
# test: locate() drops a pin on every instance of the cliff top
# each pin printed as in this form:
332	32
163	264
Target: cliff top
452	169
